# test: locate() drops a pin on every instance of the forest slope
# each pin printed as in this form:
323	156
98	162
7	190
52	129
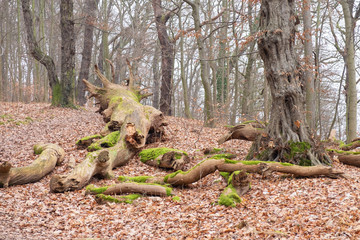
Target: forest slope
318	208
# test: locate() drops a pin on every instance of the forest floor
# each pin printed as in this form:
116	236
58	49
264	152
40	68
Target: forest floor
275	208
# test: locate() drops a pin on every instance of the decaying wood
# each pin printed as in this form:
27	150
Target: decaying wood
168	158
122	111
247	132
50	156
132	187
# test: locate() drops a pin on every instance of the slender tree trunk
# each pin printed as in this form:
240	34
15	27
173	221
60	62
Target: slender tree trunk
40	56
308	68
167	57
208	104
19	52
182	73
351	93
156	77
90	9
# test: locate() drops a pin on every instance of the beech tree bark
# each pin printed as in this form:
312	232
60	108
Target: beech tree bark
67	53
90	9
137	125
285	78
167	57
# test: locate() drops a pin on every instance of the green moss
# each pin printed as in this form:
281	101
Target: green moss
229	196
343	152
108	141
115	100
214	150
225	175
171	175
138	179
93	189
297	148
231	161
223	156
255	162
96	136
56	95
154	153
37	150
120	199
176	198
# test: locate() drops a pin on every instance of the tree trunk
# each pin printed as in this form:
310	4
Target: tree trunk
351	93
50	156
90	9
208	104
137	125
167	57
67	52
287	126
308	66
40	56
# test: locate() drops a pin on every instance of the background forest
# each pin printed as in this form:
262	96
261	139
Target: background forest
213	74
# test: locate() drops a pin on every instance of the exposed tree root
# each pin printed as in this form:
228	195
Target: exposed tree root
50	156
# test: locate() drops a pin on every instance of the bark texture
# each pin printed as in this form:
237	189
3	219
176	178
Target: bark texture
137	125
285	78
50	156
90	9
67	52
167	57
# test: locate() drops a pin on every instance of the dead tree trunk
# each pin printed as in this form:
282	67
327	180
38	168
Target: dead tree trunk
137	125
50	156
285	78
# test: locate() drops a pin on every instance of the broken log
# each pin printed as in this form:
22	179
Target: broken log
346	157
130	125
50	155
165	158
245	131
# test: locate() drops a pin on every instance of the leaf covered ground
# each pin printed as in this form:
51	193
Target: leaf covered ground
275	208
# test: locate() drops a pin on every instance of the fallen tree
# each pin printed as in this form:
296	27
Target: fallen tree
130	125
50	155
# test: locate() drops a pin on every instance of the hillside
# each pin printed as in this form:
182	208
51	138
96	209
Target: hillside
275	208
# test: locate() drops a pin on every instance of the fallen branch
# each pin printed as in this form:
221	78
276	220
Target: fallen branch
50	156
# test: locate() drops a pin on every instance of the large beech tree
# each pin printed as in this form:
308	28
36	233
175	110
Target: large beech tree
287	127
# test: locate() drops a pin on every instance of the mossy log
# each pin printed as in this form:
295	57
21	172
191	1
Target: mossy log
238	185
50	156
122	111
245	131
131	187
353	145
346	157
165	158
